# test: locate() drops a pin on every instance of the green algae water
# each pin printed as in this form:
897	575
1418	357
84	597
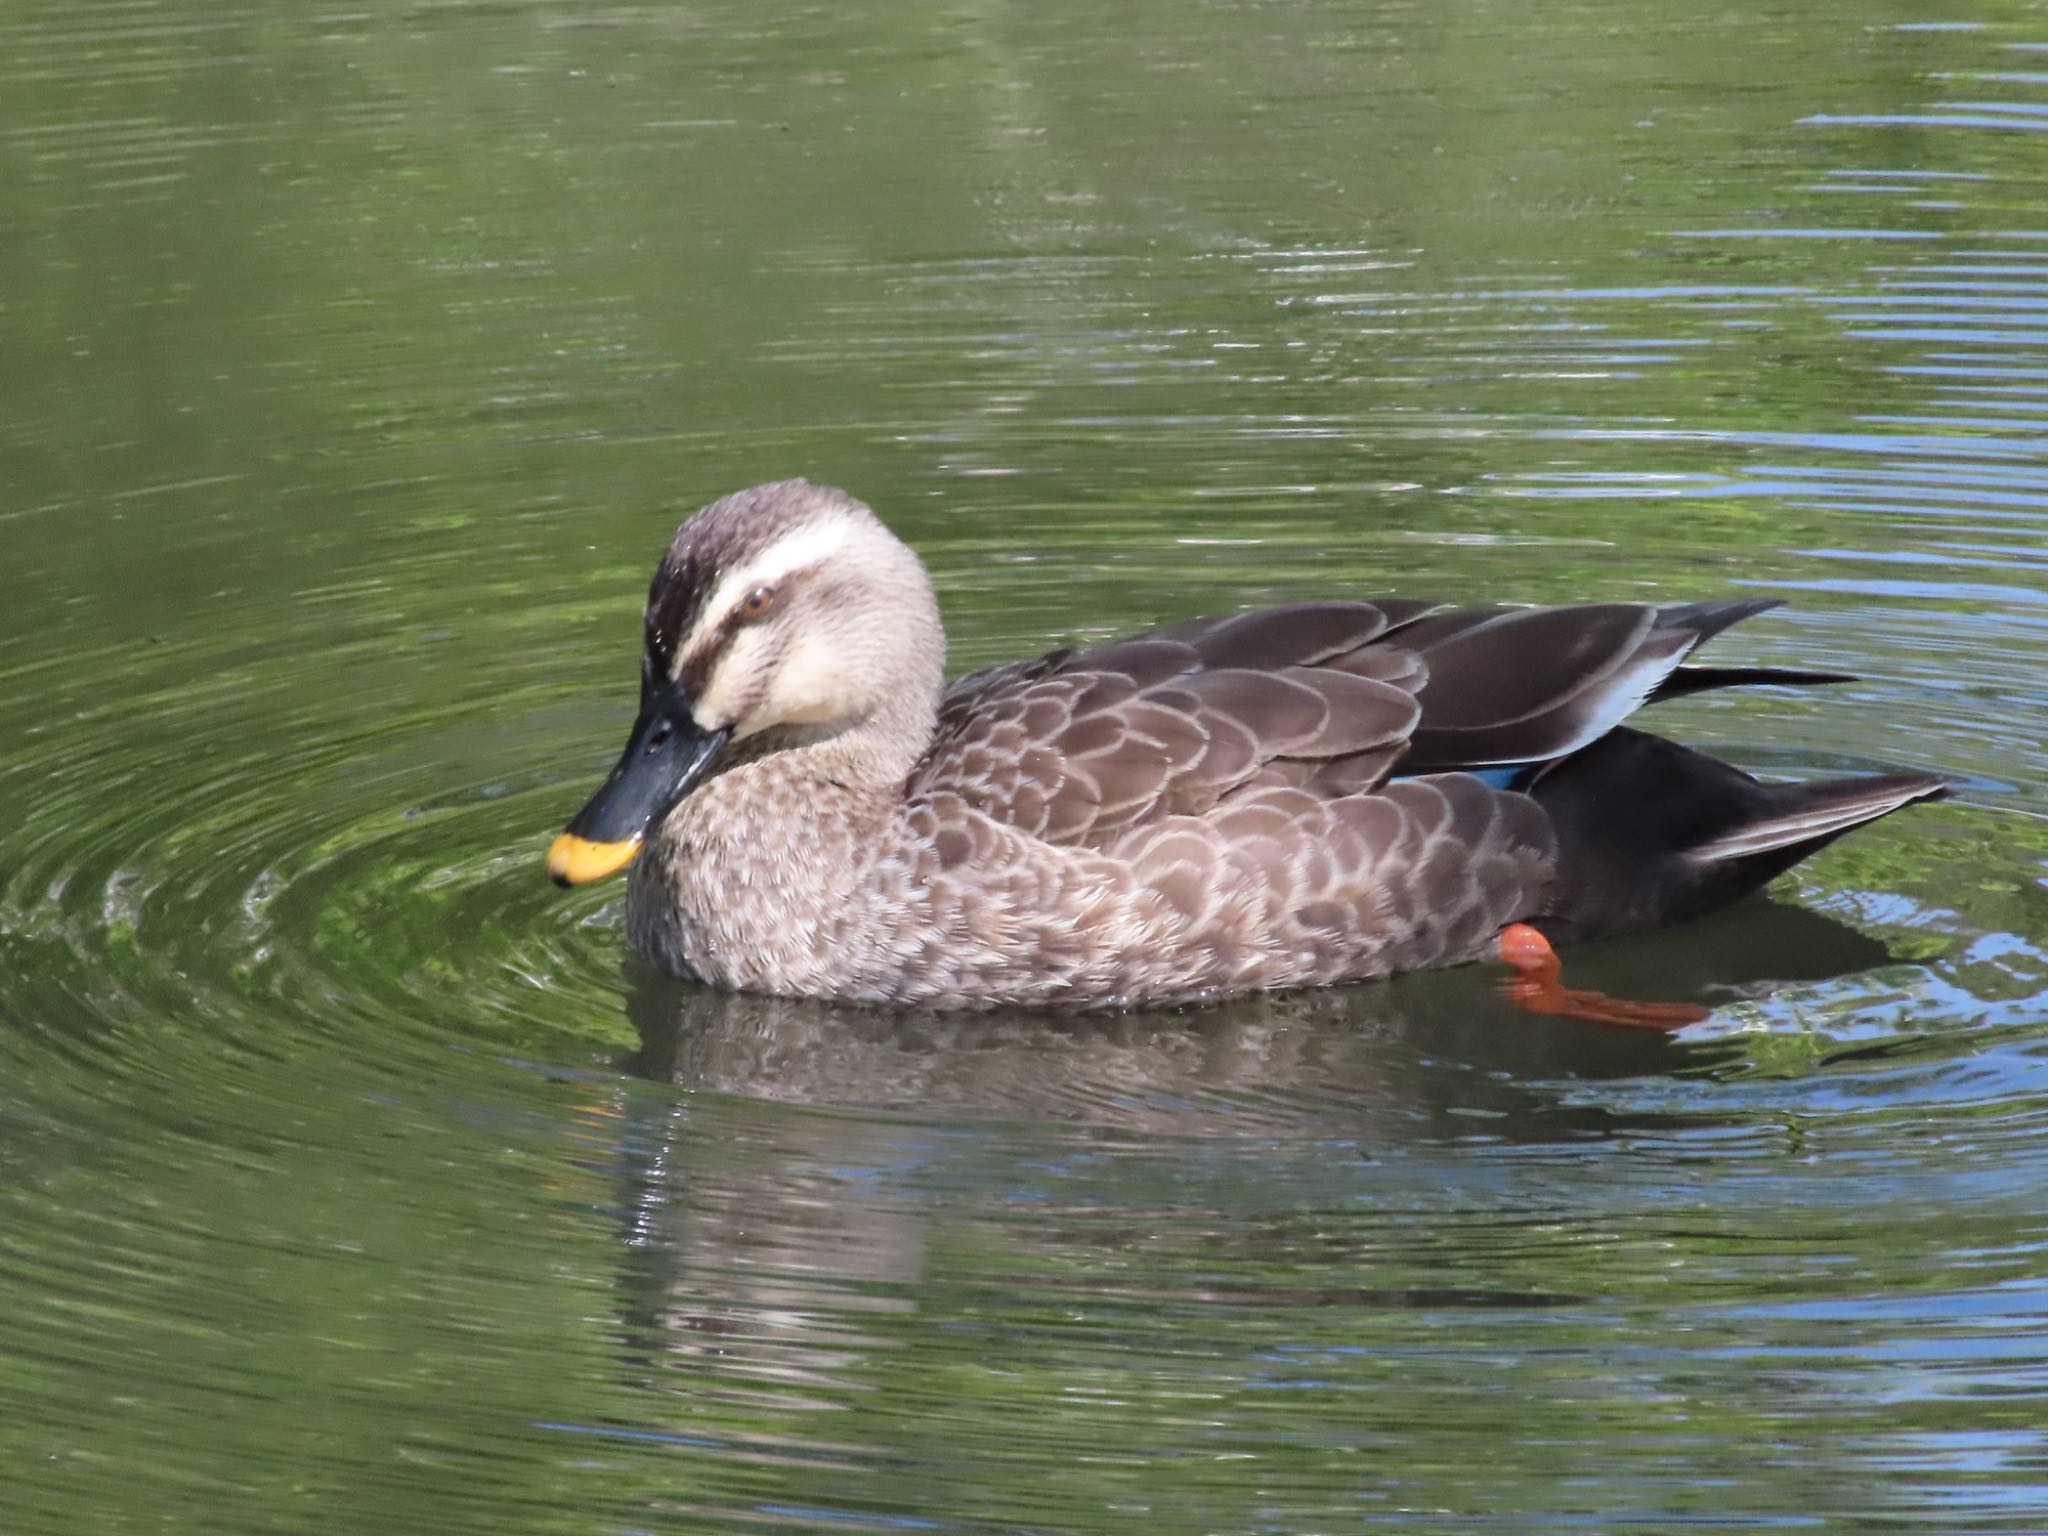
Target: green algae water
357	361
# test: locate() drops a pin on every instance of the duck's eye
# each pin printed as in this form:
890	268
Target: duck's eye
757	602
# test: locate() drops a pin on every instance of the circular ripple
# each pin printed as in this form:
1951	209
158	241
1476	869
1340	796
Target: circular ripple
311	838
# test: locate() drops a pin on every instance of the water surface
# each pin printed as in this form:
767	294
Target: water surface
359	362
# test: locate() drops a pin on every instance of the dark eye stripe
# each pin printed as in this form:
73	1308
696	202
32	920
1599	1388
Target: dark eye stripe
674	611
696	672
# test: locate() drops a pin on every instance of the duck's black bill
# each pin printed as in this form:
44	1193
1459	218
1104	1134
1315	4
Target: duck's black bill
667	754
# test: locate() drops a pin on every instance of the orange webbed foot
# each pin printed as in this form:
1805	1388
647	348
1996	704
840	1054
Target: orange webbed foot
1538	987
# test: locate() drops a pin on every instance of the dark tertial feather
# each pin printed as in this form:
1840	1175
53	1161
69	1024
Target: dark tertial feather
1515	662
1528	685
1292	635
1684	680
1708	619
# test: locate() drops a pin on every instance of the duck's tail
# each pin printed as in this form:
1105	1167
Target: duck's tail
1650	832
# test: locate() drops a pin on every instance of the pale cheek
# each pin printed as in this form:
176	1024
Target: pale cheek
712	711
810	687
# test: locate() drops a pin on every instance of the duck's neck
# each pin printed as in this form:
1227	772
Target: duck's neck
751	880
875	753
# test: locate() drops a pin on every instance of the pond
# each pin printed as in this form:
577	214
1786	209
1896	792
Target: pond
359	360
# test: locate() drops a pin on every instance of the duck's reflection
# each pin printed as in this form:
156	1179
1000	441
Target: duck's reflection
773	1249
1418	1056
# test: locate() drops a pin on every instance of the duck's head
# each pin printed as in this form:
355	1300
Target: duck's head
784	616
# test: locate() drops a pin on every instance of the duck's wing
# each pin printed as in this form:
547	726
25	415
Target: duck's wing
1078	746
1518	686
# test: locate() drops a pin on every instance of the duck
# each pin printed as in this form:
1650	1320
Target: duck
1287	797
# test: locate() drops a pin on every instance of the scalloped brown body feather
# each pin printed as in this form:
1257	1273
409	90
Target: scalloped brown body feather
1280	798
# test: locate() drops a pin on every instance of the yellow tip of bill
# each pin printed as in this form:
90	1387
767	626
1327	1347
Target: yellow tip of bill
574	860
